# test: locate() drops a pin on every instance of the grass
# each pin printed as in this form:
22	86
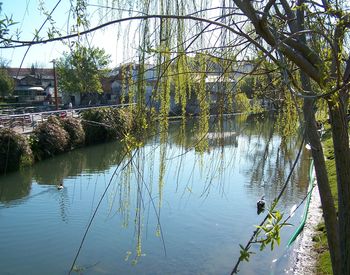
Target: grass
323	265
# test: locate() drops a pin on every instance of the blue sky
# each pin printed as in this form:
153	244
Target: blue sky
29	18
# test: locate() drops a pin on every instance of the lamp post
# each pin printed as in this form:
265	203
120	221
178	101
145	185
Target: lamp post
55	82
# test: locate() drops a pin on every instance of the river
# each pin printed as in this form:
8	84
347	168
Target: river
170	209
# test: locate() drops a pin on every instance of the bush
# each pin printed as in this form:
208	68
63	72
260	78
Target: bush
105	124
75	131
14	151
49	139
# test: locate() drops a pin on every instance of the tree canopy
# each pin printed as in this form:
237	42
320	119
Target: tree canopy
81	70
7	84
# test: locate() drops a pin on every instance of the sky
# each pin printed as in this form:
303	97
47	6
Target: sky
29	18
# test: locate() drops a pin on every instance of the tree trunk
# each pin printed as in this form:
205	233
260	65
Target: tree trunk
329	211
342	162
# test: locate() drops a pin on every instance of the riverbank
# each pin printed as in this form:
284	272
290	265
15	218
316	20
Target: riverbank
311	255
304	256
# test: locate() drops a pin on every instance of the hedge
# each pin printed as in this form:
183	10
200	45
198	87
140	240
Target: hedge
14	151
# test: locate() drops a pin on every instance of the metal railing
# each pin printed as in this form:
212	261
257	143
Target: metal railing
26	123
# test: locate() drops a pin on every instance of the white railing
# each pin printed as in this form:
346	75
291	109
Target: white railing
26	123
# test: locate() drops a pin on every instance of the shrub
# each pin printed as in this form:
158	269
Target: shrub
49	139
75	131
14	151
54	120
105	124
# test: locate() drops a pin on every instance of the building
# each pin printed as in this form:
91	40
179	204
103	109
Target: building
34	86
127	77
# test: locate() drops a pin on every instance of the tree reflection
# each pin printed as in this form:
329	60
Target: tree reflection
15	185
272	157
86	160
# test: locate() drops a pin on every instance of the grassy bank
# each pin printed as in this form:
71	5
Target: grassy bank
324	266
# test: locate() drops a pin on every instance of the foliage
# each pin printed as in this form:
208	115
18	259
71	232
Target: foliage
271	230
75	131
7	84
287	120
245	253
105	124
246	85
314	65
265	84
5	24
14	151
125	120
242	103
203	99
268	233
256	107
81	70
49	139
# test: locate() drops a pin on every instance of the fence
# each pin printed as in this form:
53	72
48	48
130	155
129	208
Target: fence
26	123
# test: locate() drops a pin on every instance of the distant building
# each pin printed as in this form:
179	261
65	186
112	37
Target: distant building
33	86
220	84
129	74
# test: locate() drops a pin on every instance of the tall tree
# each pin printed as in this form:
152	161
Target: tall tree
81	70
312	37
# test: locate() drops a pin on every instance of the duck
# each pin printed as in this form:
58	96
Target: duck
59	187
261	203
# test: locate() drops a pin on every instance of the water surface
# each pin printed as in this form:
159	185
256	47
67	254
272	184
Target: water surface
169	210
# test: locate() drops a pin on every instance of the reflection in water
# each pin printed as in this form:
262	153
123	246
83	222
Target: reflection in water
15	185
272	159
196	205
94	159
270	156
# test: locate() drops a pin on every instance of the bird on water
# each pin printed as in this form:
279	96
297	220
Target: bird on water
260	204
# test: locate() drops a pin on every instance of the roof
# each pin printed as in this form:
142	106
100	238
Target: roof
21	72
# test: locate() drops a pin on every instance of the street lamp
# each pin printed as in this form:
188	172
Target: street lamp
55	82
